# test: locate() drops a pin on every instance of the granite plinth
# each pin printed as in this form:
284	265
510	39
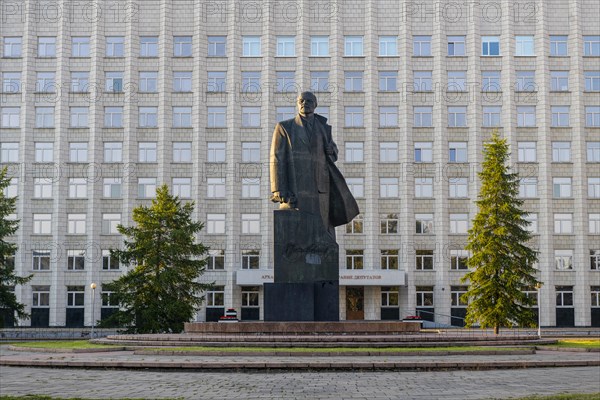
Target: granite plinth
318	301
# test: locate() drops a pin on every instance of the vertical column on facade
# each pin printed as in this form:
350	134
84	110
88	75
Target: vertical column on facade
165	102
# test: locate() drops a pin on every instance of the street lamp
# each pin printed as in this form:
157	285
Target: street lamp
538	286
93	286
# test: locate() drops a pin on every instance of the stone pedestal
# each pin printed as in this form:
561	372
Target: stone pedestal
306	272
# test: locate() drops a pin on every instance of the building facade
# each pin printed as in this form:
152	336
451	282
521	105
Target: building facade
102	101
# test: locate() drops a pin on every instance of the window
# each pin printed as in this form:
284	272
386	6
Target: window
9	152
456	46
561	187
12	190
354	259
250	224
114	82
44	152
561	151
528	187
215	297
592	81
525	81
421	46
113	117
457	81
524	46
593	151
75	260
595	259
10	117
41	295
250	188
559	81
44	117
324	111
251	46
388	152
42	188
251	81
148	82
422	81
354	117
80	46
182	46
286	81
216	81
490	81
491	116
319	46
592	117
115	46
388	187
532	218
527	151
12	47
182	187
456	296
215	224
46	47
216	152
354	152
45	82
356	186
591	46
490	46
389	259
563	223
41	261
250	152
182	117
251	117
286	46
11	82
558	45
458	187
594	224
353	46
356	225
250	296
388	116
388	81
423	116
424	223
80	82
215	187
457	117
459	223
594	188
458	259
182	81
424	259
284	113
113	152
149	46
526	116
563	259
216	259
457	152
182	152
110	222
423	152
595	296
250	259
217	46
353	81
560	116
564	296
75	296
424	187
319	81
148	117
146	188
76	224
147	152
78	152
111	187
217	117
77	188
79	117
388	46
424	296
389	224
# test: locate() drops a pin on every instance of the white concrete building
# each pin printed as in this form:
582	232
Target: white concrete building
101	101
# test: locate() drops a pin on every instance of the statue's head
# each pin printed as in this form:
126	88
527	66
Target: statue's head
306	102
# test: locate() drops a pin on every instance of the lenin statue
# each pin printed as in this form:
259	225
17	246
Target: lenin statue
303	173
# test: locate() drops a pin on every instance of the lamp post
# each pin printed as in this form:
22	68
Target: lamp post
538	286
93	286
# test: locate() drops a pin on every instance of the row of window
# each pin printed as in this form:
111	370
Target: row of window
286	46
148	81
251	152
251	116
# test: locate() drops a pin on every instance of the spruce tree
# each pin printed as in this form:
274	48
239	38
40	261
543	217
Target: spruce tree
501	263
8	280
161	292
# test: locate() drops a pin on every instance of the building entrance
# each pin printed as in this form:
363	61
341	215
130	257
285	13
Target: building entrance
355	303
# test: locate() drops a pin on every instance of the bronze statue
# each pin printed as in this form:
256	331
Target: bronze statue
303	173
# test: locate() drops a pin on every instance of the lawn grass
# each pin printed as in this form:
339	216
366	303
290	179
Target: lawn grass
587	343
334	349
